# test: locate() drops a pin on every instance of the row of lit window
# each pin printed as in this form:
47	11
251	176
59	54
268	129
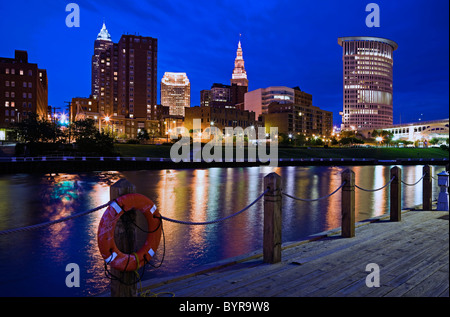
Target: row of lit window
12	71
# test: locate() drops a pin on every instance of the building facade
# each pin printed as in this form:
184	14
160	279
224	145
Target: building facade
23	89
415	131
367	82
296	119
176	93
219	117
124	75
259	100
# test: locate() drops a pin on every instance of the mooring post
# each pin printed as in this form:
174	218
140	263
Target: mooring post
272	219
125	238
348	204
396	194
427	188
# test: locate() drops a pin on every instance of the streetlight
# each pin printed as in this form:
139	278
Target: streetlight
379	139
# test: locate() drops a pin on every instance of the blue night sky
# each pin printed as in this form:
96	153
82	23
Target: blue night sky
285	42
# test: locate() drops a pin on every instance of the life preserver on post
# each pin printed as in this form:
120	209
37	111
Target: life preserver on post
105	235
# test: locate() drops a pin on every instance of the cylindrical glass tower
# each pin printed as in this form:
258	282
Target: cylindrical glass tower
367	65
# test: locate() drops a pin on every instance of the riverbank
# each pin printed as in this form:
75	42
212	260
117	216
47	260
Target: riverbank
378	153
70	164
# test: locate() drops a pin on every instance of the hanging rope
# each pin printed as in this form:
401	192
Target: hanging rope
49	223
316	199
374	190
415	182
217	220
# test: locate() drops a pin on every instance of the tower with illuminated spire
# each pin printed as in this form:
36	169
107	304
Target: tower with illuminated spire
239	76
102	70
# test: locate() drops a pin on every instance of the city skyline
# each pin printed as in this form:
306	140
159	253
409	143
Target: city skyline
200	38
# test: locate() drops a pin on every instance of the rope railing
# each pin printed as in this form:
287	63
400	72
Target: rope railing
217	220
315	199
415	182
377	189
49	223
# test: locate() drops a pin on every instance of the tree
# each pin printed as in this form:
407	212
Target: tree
89	139
34	129
143	135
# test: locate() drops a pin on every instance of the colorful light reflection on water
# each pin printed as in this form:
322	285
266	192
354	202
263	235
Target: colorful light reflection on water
32	263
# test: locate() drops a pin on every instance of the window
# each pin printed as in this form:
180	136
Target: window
7	71
30	73
21	72
7	83
6	103
7	94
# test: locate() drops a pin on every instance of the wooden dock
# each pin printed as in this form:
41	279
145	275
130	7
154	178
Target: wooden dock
412	255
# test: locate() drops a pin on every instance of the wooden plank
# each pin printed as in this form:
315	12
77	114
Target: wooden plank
412	255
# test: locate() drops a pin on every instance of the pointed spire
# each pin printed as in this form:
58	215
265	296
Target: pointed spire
239	75
104	34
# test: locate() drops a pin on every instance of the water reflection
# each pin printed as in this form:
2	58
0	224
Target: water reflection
190	195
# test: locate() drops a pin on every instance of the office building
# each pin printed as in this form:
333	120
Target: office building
124	75
24	89
367	82
219	118
259	100
296	119
175	93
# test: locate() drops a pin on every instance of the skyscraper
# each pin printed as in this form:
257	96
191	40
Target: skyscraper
137	76
124	75
104	81
367	78
175	93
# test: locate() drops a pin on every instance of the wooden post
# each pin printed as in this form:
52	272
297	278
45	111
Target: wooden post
348	204
427	189
272	219
125	238
396	194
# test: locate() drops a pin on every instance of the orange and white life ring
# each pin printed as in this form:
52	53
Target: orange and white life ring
105	235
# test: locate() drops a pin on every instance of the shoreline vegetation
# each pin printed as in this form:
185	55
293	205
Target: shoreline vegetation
379	153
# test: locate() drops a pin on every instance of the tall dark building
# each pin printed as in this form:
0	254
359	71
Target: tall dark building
137	76
124	75
23	89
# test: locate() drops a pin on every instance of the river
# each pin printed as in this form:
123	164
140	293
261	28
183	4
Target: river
33	262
